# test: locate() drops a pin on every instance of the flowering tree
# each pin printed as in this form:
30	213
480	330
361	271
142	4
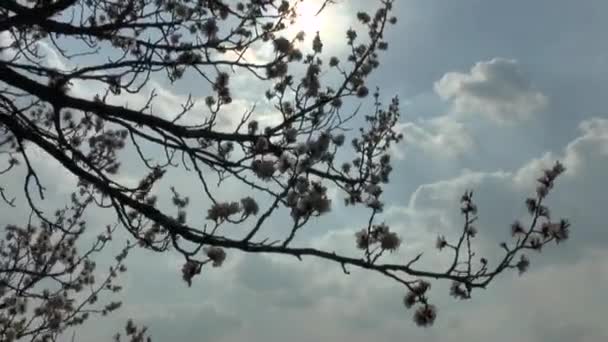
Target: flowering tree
118	48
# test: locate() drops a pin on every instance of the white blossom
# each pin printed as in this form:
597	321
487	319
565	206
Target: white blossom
221	211
339	139
523	264
250	206
261	145
390	241
425	315
291	135
263	168
216	254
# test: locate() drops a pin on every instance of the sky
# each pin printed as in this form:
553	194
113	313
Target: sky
491	91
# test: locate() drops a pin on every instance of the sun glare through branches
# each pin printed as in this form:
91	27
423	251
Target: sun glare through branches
308	20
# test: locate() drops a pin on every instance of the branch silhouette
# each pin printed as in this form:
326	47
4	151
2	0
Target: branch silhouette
87	114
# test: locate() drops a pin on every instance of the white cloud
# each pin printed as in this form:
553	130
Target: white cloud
438	137
6	51
249	295
438	194
554	303
500	195
532	309
434	209
263	291
497	89
166	102
584	152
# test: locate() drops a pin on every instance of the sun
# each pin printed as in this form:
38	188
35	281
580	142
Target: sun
307	20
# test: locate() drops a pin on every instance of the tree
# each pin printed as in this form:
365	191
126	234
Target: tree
120	47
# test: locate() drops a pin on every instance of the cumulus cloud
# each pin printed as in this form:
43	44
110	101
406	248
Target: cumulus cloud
238	298
556	307
497	89
291	296
6	41
441	137
554	283
581	155
500	194
434	209
264	292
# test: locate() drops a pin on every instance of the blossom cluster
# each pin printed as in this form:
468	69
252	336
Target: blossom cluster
221	211
378	234
307	198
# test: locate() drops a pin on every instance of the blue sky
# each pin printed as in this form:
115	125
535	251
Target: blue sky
492	91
